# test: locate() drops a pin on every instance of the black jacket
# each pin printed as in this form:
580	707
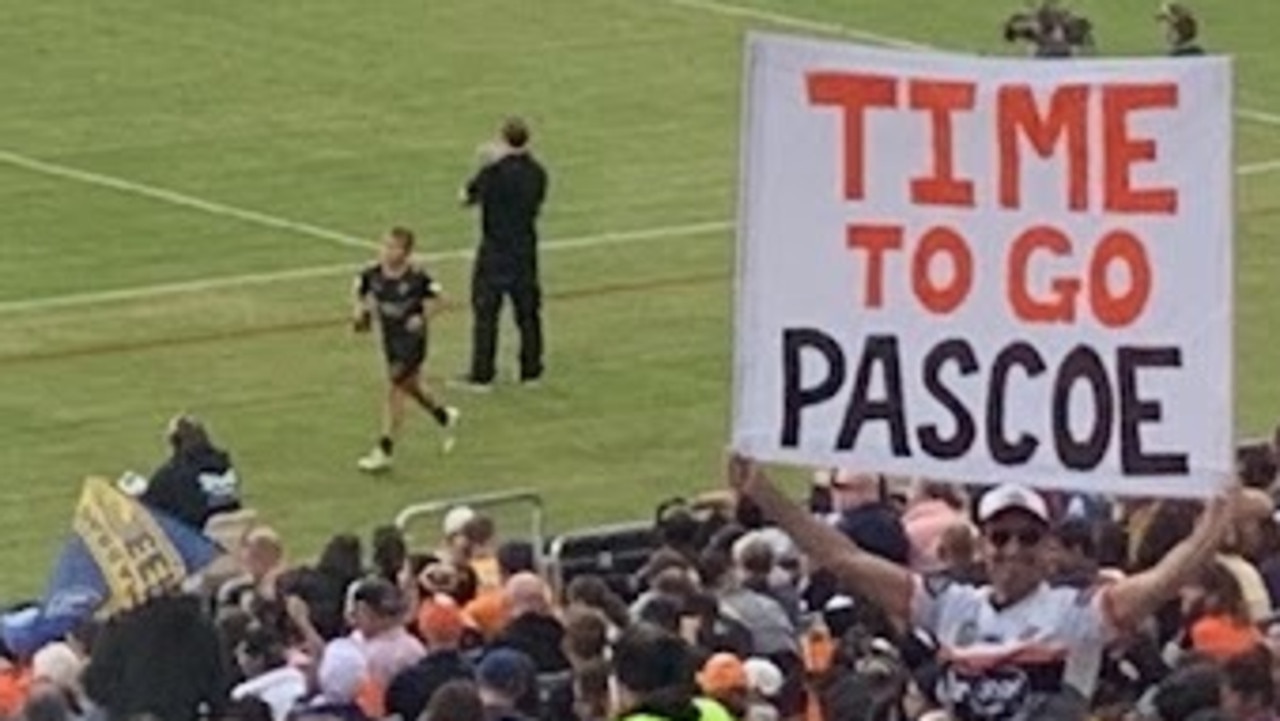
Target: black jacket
510	193
539	637
193	485
162	658
411	690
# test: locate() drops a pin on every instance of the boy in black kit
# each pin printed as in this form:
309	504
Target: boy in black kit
402	297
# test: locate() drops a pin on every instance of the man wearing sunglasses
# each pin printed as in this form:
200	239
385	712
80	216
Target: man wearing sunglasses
1016	649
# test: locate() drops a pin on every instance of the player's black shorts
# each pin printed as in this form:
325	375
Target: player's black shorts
405	355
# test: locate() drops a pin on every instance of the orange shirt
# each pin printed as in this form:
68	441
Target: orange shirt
488	612
15	682
1222	637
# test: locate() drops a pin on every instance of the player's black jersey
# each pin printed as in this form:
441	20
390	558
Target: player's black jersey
396	300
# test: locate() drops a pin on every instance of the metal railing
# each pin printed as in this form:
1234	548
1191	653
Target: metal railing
418	512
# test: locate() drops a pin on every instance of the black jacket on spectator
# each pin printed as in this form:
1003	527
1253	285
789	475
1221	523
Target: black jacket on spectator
538	637
162	658
193	485
411	690
541	638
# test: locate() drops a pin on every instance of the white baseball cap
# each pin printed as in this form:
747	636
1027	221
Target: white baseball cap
763	677
1011	497
457	519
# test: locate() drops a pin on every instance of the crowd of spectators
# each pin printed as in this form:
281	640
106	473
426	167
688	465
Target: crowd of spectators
874	599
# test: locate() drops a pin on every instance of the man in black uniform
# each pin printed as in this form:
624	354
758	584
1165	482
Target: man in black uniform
402	297
509	189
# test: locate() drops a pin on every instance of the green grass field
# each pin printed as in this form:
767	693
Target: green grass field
350	117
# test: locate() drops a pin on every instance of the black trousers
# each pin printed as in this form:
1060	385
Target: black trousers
489	287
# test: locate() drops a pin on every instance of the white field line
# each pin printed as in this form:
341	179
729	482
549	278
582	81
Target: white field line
1269	166
337	269
727	9
326	271
183	200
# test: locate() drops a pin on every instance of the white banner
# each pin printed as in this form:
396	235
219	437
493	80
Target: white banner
987	270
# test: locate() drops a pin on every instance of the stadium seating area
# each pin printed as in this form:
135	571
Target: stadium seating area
706	598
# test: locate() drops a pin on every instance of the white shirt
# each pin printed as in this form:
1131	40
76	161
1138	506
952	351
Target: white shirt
280	688
999	661
389	653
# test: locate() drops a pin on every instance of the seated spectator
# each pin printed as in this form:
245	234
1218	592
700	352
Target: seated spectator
339	680
198	481
505	676
656	679
931	510
162	658
378	615
1248	690
533	629
441	626
262	558
268	677
455	701
1219	620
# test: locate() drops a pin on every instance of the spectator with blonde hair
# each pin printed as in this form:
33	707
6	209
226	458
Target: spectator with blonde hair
262	557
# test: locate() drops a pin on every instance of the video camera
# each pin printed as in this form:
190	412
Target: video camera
1051	30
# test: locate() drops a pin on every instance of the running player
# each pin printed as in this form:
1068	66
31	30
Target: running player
403	298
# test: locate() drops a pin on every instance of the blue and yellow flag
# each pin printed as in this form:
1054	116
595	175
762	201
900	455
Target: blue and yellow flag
120	554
